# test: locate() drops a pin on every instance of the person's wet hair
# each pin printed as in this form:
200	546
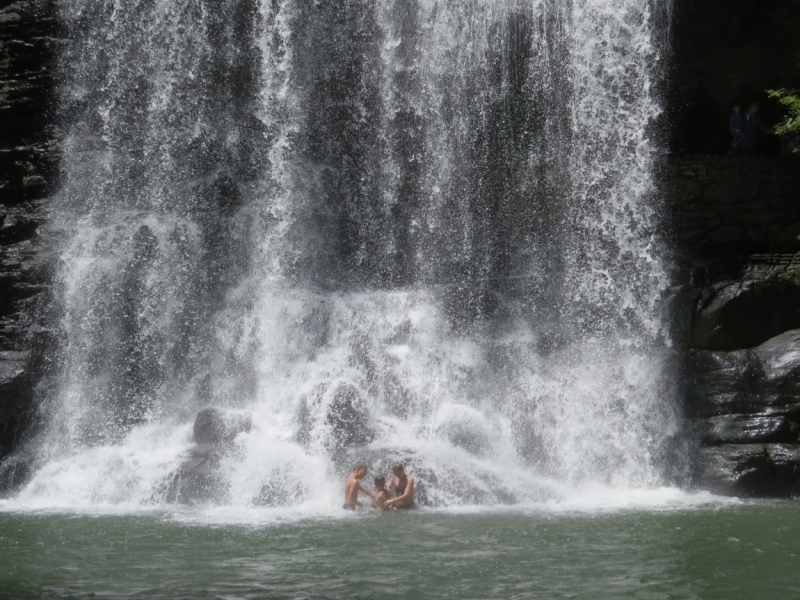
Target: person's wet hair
397	467
380	481
359	466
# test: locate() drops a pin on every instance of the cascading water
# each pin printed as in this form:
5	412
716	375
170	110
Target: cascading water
404	229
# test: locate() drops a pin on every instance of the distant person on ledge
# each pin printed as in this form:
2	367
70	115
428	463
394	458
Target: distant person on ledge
403	487
735	122
353	486
752	126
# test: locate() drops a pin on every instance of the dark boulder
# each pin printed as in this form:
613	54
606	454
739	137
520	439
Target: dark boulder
744	314
215	426
749	470
200	479
349	420
746	410
16	389
747	381
15	471
17	227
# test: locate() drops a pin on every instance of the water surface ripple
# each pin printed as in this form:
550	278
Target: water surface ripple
733	551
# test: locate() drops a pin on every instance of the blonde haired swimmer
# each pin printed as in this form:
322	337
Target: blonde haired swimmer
352	486
403	487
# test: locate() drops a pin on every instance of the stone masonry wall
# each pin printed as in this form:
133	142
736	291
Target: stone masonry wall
735	204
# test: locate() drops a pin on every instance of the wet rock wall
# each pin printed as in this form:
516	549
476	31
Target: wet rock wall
28	40
736	232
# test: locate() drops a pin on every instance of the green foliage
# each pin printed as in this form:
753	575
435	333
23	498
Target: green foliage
791	100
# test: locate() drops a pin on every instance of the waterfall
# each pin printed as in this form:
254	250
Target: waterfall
417	230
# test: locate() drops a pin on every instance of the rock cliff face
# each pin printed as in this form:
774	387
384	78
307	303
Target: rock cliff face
27	175
736	227
746	411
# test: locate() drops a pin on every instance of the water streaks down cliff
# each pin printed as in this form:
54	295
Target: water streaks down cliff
407	229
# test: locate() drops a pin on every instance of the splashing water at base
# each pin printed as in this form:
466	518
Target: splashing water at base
404	230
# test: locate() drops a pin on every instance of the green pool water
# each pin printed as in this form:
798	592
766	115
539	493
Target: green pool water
726	552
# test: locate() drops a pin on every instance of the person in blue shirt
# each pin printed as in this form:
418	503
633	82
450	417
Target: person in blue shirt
752	126
735	121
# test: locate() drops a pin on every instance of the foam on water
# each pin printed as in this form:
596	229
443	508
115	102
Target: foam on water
417	230
592	500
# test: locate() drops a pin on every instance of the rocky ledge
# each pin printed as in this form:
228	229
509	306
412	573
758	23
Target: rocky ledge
27	175
744	384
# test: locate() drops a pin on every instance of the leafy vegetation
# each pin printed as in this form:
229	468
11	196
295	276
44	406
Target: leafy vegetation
791	123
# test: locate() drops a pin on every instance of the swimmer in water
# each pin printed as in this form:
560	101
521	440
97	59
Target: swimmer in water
403	487
353	486
381	494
